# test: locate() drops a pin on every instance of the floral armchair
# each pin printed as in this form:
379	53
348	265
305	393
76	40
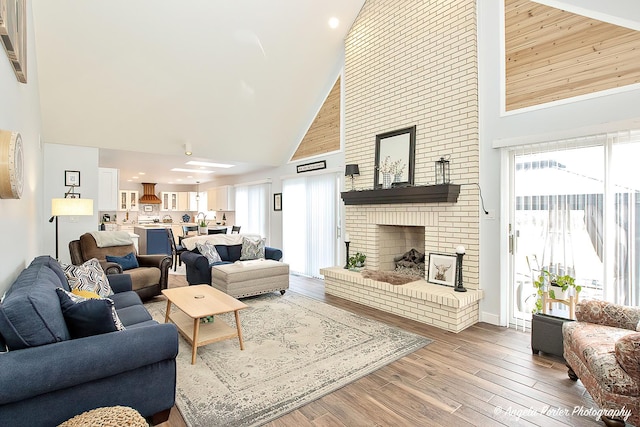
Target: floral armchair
602	349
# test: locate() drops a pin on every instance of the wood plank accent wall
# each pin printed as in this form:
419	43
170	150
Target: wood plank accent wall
553	54
323	135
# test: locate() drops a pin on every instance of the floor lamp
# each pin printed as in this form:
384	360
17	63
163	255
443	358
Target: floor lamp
69	206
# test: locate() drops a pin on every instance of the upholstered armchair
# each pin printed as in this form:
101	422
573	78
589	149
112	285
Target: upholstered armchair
602	349
148	278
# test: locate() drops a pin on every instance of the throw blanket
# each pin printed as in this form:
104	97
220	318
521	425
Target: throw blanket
105	239
217	239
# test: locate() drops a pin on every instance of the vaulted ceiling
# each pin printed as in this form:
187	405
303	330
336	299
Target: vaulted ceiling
239	80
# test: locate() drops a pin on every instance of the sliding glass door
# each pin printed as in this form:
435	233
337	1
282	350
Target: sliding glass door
574	211
309	223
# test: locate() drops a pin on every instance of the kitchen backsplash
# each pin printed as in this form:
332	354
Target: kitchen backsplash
176	217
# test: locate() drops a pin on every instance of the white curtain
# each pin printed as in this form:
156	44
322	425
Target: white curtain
252	208
309	225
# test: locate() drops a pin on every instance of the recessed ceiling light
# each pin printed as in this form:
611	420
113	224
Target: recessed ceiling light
140	173
134	177
334	22
189	170
211	165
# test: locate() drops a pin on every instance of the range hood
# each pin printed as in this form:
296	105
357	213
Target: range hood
149	194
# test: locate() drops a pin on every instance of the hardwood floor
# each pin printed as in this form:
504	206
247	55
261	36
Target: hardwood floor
482	376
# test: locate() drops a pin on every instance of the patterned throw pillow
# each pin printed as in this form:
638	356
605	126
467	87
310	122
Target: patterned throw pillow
252	248
88	316
127	262
88	277
209	250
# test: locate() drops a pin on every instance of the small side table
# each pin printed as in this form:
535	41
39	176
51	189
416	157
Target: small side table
546	334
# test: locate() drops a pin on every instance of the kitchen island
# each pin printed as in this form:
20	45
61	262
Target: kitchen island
153	239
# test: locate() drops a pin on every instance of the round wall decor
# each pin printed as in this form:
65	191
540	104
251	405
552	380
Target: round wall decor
11	165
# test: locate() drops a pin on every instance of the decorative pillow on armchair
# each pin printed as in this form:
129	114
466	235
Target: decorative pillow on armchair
209	250
127	262
252	248
88	277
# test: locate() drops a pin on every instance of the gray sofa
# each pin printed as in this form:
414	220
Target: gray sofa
49	377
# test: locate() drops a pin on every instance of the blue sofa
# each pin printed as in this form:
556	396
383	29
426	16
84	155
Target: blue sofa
197	266
48	377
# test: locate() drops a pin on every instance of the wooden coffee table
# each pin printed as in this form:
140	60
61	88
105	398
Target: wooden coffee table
196	302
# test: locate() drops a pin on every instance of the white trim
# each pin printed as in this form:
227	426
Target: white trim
580	132
571	100
505	255
315	156
490	318
598	15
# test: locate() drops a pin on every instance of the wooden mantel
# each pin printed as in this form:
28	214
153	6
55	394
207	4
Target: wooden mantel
418	194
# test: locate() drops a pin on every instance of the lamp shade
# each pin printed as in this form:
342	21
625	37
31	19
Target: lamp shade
67	207
351	170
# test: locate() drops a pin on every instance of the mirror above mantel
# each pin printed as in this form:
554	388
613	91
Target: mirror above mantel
395	155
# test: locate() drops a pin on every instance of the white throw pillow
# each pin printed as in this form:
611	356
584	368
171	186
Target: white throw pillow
209	251
252	248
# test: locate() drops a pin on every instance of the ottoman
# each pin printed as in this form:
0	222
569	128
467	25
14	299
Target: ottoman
254	277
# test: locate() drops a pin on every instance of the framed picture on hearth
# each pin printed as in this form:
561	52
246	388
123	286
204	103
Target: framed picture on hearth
442	269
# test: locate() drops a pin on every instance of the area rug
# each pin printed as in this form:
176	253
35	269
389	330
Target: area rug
297	349
389	277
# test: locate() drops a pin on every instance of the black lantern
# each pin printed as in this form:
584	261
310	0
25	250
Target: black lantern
442	171
352	170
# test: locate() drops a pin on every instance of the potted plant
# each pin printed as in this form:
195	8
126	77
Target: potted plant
357	261
203	227
556	285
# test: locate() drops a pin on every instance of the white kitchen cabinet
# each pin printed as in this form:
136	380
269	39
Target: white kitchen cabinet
187	201
222	199
128	200
107	189
169	201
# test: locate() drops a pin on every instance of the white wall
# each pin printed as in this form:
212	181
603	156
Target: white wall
59	158
21	219
585	116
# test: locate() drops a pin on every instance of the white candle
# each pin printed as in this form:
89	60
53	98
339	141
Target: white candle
346	237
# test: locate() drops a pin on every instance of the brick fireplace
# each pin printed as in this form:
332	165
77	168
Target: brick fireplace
386	233
421	71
